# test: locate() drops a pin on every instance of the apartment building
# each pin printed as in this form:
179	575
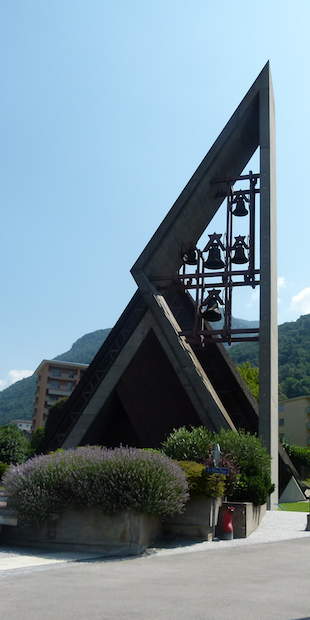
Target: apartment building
55	380
294	420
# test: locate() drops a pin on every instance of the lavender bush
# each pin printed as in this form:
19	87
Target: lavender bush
123	478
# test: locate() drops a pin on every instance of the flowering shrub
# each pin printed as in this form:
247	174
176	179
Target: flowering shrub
123	478
244	454
230	462
201	483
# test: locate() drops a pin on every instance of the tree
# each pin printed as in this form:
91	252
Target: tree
36	439
251	377
54	416
13	445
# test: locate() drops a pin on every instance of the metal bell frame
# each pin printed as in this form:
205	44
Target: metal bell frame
202	282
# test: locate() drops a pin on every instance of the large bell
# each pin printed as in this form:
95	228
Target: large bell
214	260
240	257
240	209
190	257
212	313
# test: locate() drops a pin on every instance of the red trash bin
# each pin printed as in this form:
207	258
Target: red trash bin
228	530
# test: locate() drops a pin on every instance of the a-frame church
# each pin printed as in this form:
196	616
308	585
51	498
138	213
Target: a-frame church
148	377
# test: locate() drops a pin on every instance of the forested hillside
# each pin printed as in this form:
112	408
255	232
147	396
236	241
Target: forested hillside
294	357
17	400
85	348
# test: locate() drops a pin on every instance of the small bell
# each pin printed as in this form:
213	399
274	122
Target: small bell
190	257
240	209
212	313
240	257
214	260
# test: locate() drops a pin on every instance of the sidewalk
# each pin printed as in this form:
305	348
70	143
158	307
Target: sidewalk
264	577
276	526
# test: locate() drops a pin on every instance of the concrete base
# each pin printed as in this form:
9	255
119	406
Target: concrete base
125	533
197	522
292	492
246	518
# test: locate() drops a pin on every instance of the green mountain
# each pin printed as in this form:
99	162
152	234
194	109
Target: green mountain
17	400
84	349
294	357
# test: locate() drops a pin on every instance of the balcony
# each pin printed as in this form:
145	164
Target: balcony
63	391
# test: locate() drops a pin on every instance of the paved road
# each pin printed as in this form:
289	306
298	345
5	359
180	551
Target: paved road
251	579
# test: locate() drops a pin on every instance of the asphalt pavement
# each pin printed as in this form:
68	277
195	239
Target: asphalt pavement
261	577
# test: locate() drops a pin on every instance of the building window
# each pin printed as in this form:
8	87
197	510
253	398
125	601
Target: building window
54	384
53	398
71	374
69	385
308	409
56	372
281	407
281	422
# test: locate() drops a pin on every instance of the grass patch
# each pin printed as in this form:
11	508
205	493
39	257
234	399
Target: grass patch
296	506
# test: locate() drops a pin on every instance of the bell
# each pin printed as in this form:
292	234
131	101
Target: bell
240	209
190	257
214	260
240	257
212	313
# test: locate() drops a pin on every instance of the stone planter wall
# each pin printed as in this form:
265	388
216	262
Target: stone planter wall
125	533
246	518
196	522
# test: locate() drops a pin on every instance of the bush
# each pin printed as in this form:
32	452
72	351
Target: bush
3	468
13	445
299	455
249	460
189	445
254	482
200	483
123	478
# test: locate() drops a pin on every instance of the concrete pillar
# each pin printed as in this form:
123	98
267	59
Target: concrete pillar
268	345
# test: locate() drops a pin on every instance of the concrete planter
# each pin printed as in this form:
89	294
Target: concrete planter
246	518
125	533
197	522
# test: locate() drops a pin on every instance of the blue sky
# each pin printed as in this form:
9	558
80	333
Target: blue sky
106	111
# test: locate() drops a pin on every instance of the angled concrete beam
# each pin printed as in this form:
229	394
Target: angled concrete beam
199	201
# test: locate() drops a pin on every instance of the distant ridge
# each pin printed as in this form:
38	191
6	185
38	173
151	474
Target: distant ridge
17	400
85	348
